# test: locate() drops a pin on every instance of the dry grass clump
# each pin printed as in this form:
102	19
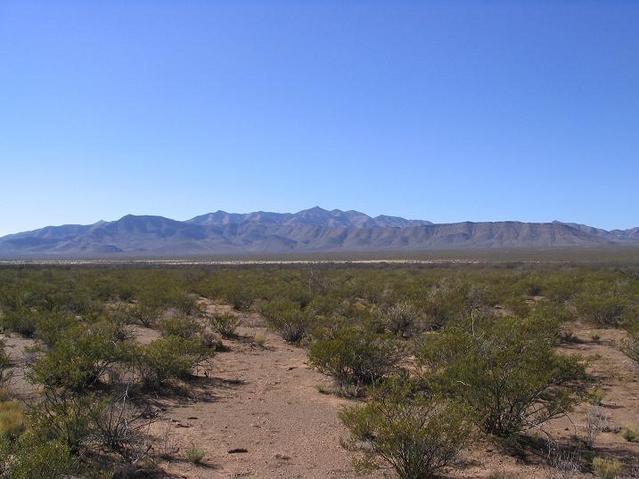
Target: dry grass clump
607	468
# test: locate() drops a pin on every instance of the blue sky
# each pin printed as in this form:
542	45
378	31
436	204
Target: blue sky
447	111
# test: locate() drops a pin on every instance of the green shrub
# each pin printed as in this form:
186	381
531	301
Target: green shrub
80	360
195	455
146	314
354	356
37	457
238	297
287	319
185	303
21	321
65	417
505	370
225	324
415	434
53	326
181	326
169	358
629	434
606	468
602	310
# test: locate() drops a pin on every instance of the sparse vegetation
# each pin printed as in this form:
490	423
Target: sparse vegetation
438	351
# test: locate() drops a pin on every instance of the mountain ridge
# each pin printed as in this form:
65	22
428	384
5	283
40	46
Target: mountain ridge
311	230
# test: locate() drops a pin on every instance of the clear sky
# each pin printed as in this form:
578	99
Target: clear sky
441	110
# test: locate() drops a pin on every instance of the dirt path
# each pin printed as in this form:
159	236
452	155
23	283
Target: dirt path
263	400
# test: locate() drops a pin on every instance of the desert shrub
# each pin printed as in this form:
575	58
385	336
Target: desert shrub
565	463
80	360
260	339
238	297
354	356
416	434
169	358
225	324
211	340
596	396
146	314
602	309
505	369
5	366
185	303
597	421
195	455
606	468
37	457
287	319
53	326
630	346
64	417
629	434
403	319
118	426
181	326
21	321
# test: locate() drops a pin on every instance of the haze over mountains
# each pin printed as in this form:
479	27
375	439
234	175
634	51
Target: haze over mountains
311	230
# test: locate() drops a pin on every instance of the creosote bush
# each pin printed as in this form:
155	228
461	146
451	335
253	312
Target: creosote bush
631	346
169	358
287	318
81	359
34	457
181	326
416	434
505	369
225	324
604	310
354	356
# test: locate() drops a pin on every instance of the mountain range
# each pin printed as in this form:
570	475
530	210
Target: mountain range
311	230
